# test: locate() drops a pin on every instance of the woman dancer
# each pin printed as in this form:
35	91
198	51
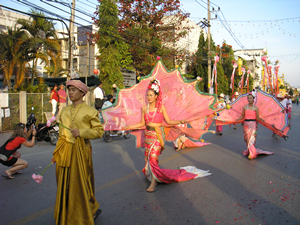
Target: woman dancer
250	114
9	155
152	116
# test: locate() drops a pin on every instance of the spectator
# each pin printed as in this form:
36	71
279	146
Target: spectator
99	96
9	155
54	99
62	99
108	102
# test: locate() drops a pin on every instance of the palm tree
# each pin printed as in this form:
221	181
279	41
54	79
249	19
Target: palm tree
15	51
42	38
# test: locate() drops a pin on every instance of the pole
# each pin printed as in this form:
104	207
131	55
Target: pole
208	41
88	59
71	36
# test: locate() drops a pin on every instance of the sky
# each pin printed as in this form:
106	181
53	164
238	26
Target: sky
255	24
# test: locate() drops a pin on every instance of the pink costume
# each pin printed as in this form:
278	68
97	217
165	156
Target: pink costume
154	144
250	133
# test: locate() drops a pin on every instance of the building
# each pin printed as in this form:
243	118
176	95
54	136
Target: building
189	43
254	63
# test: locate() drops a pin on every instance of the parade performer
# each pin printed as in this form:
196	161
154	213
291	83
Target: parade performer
221	105
250	114
235	97
152	116
9	154
289	106
75	198
250	109
183	142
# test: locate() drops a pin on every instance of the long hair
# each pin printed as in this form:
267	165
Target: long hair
18	131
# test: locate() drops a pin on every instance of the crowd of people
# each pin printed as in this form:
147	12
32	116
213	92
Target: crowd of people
73	152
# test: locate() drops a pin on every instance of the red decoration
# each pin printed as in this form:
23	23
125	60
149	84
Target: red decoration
95	71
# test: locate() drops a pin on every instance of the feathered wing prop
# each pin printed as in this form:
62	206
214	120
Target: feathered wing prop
270	110
182	100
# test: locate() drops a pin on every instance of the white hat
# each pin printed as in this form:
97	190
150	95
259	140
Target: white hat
222	95
236	93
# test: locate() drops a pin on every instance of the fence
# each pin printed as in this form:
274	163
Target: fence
21	105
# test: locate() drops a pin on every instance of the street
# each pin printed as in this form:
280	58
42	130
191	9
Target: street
265	190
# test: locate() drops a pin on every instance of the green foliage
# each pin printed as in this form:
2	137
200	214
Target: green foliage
114	52
145	25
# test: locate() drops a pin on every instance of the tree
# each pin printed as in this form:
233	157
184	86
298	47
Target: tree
113	50
15	51
198	67
43	40
151	28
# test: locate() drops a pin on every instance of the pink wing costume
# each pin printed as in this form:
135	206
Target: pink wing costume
270	110
182	100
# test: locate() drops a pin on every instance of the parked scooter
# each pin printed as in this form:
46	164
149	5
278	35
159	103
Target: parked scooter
108	135
43	133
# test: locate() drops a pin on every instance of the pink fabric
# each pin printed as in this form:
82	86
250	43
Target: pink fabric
182	100
289	111
190	144
219	128
158	118
152	152
250	133
270	110
250	114
78	84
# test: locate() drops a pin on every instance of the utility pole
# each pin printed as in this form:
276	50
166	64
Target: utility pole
88	59
71	37
208	47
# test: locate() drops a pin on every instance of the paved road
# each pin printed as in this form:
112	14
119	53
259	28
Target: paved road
240	191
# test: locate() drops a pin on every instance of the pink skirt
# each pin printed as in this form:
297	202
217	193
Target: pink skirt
153	147
250	134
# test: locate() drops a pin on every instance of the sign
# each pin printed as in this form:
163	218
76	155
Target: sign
129	79
4	100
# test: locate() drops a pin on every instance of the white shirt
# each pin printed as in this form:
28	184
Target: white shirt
106	104
98	93
283	102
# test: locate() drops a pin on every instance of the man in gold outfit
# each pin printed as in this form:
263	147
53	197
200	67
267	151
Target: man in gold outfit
75	198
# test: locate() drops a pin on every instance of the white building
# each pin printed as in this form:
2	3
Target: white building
189	43
254	62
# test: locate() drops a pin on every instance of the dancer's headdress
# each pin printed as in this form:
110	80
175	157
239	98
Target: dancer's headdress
155	86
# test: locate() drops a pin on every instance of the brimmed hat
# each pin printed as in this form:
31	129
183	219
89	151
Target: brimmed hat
236	93
222	95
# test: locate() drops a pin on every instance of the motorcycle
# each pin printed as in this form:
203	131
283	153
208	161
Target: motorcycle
108	135
43	133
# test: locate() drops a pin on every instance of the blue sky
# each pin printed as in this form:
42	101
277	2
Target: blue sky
256	24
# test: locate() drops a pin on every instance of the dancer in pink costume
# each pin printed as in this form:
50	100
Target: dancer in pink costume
250	114
183	142
152	116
